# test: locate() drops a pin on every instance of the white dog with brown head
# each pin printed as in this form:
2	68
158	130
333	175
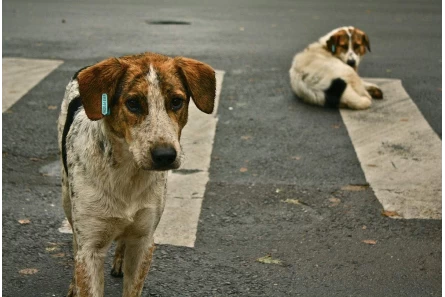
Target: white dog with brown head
119	131
325	73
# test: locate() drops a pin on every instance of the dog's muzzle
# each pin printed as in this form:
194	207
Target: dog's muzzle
351	63
163	157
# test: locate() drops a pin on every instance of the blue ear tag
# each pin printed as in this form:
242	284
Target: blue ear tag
333	48
105	108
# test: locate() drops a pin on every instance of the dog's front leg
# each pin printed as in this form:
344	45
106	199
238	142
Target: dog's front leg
89	273
93	238
138	256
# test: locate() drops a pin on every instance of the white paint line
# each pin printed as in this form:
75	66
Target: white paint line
21	75
186	187
66	227
399	153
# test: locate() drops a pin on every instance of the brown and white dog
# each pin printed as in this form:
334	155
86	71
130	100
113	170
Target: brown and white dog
325	73
114	159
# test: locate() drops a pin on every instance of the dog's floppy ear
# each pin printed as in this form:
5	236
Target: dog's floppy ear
361	38
200	81
332	43
101	78
366	41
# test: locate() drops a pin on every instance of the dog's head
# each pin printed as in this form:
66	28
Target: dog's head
349	44
148	97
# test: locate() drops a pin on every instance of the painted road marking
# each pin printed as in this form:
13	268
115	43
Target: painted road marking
399	153
21	75
186	186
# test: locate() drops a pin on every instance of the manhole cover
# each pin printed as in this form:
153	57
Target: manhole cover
167	22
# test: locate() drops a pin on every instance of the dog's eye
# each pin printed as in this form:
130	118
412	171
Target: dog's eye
176	103
133	105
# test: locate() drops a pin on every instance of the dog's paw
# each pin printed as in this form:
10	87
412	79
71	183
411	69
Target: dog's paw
118	263
375	92
117	272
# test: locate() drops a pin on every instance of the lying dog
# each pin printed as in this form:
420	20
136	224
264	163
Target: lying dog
325	73
119	131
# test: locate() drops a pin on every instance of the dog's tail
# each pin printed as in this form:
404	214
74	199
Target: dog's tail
334	92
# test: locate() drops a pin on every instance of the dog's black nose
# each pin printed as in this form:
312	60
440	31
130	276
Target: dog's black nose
351	63
163	156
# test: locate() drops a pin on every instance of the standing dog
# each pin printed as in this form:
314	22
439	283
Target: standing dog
119	131
325	73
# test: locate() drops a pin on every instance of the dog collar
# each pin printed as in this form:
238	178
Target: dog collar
105	108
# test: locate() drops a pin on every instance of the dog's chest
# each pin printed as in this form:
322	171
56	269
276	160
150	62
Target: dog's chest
101	187
122	193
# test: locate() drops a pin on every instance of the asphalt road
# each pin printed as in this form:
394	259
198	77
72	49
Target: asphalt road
291	150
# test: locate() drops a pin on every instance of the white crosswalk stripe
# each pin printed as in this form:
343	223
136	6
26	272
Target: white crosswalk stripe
21	75
185	189
400	154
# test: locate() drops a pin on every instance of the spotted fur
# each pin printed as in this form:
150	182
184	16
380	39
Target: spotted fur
325	73
112	186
